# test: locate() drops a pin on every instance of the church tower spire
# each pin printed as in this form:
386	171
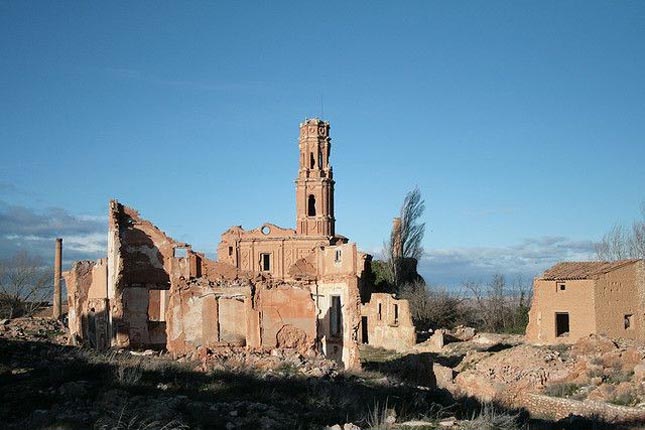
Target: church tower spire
315	183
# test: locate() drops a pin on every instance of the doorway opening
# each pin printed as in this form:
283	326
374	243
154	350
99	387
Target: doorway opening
364	332
561	324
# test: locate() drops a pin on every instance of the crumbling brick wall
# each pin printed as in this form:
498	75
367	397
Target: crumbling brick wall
144	260
87	303
387	323
202	313
154	297
619	296
541	406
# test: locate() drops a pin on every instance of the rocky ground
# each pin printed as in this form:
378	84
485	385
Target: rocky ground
46	384
594	368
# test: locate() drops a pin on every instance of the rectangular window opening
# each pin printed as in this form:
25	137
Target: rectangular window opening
561	324
230	251
561	286
180	252
338	256
396	314
335	316
265	262
629	321
380	311
364	331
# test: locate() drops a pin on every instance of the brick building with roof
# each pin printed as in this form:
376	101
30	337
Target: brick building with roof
575	299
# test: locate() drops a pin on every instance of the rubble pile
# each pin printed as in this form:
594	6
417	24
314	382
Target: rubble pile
34	330
493	367
605	370
268	363
487	375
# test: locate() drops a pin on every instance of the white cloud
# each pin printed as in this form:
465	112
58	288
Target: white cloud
26	229
453	266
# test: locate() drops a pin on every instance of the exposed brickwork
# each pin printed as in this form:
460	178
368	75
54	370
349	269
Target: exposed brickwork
272	286
553	408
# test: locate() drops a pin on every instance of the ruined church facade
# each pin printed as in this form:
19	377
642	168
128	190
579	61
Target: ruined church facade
271	287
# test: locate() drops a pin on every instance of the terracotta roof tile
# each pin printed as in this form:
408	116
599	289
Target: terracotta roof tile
583	270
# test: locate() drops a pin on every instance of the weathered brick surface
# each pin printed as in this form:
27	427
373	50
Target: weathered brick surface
597	304
553	408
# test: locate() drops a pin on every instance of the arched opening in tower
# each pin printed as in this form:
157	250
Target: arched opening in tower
312	161
311	206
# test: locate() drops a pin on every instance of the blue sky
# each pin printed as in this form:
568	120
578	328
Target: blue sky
522	123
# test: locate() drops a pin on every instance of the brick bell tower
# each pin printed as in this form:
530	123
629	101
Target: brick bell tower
315	183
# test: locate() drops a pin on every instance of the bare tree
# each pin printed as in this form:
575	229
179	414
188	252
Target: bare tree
432	307
25	284
405	237
498	308
621	243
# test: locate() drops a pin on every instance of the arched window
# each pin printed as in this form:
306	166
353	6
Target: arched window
311	205
312	161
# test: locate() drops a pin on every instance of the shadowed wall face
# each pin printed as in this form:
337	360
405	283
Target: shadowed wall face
58	264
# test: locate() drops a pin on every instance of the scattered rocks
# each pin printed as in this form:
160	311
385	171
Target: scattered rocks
463	333
593	344
523	367
416	423
272	363
34	329
348	426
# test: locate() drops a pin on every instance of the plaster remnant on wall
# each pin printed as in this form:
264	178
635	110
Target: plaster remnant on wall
271	287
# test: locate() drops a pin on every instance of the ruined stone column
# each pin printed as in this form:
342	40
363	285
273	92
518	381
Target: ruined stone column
58	267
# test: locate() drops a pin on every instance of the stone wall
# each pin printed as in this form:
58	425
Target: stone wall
618	294
153	291
288	317
598	305
389	323
552	408
244	249
87	303
205	314
143	261
577	299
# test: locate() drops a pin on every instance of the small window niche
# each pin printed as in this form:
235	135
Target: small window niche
560	286
230	251
311	205
395	320
380	312
338	256
628	321
265	262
